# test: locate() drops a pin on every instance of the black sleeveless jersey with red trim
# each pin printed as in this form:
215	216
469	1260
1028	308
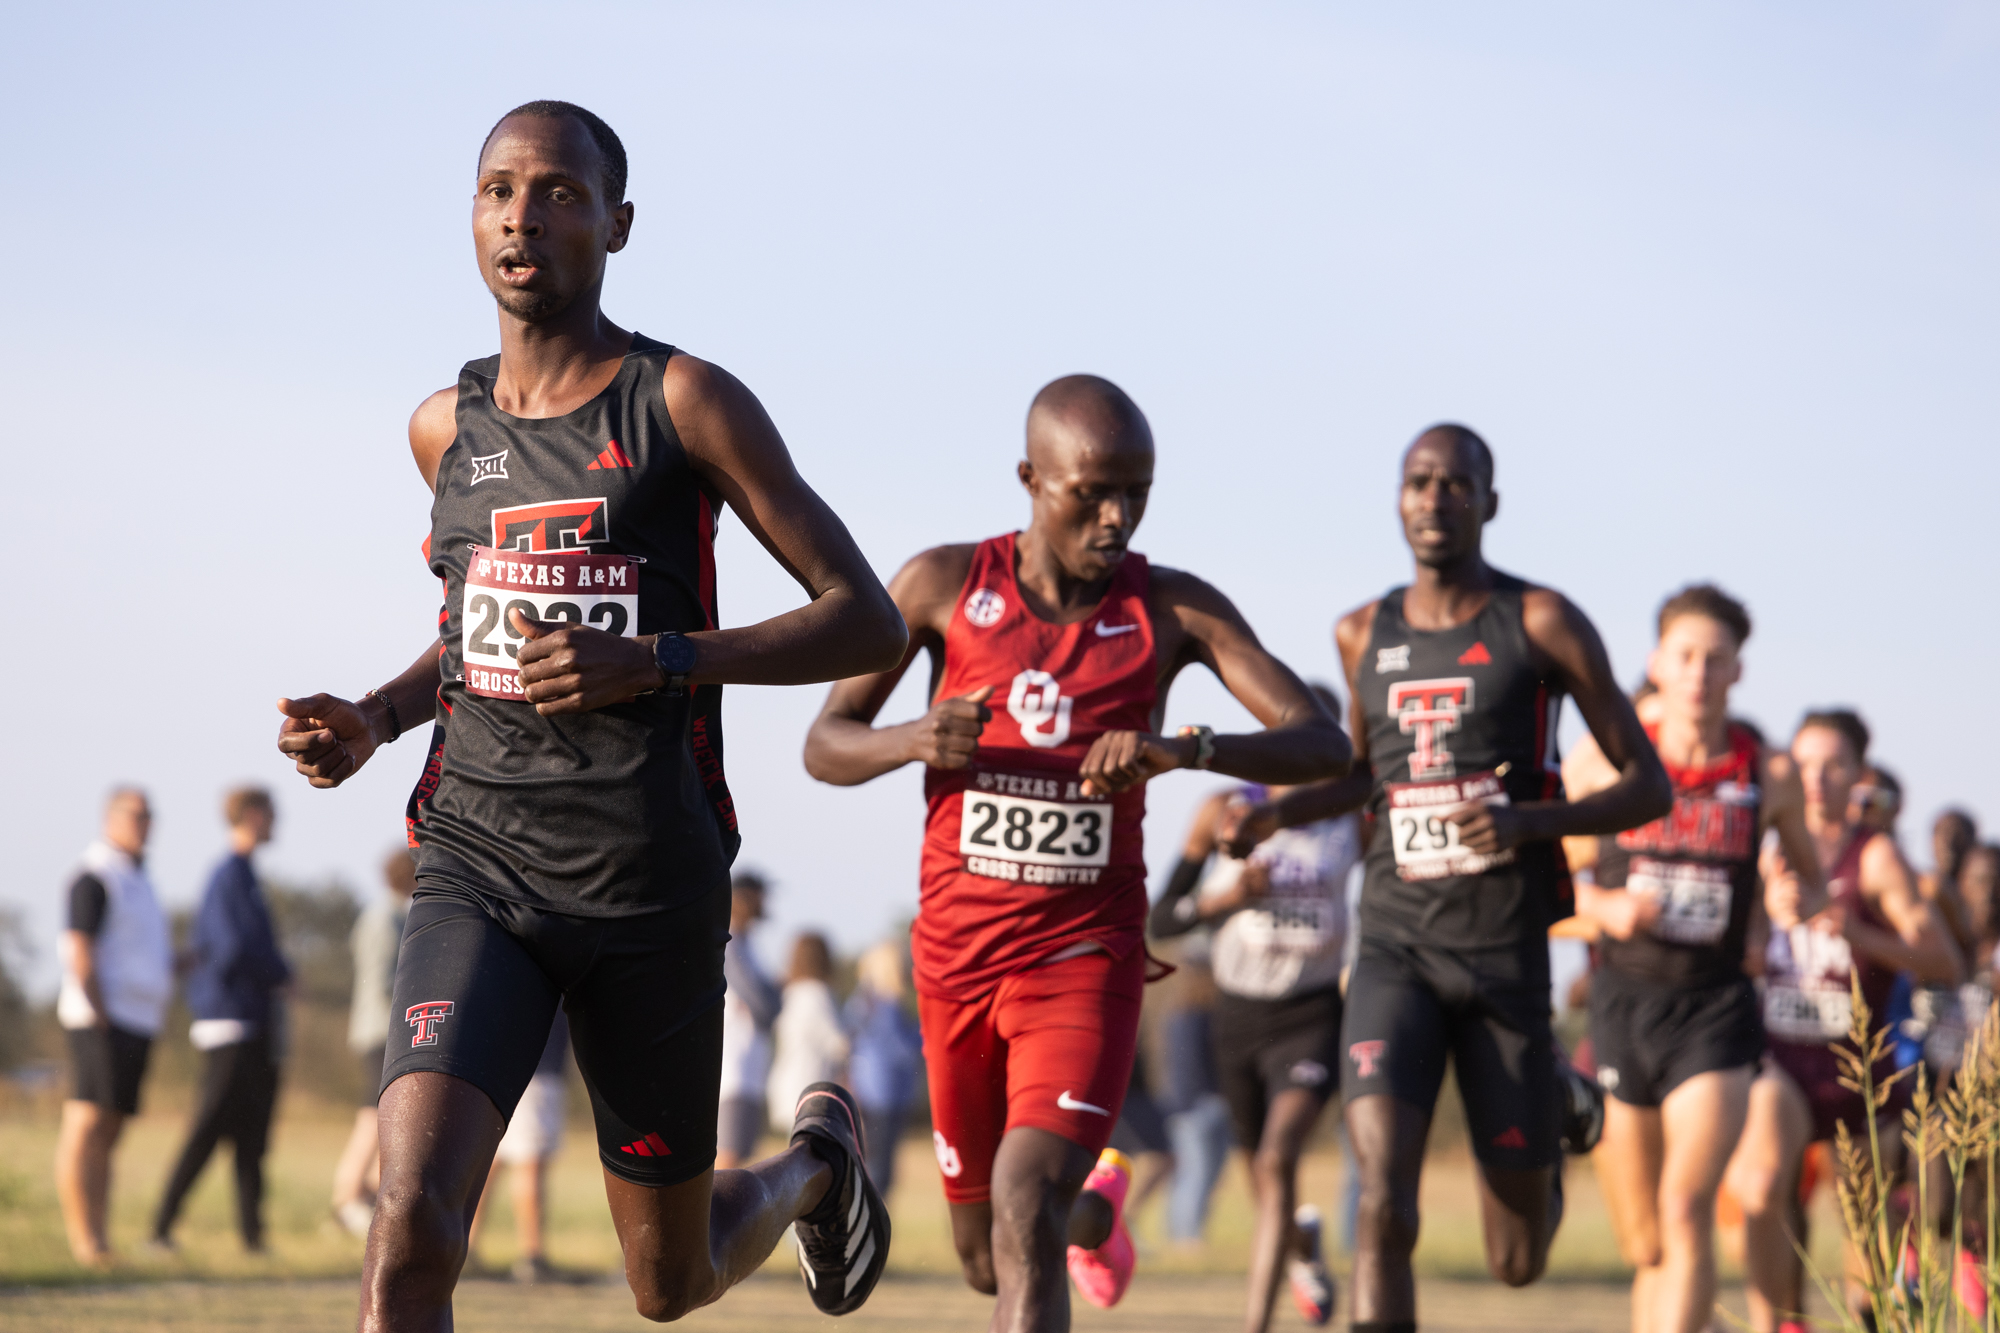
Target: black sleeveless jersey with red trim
594	517
1458	715
1699	863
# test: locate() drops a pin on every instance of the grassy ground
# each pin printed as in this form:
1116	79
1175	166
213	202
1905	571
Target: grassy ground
306	1281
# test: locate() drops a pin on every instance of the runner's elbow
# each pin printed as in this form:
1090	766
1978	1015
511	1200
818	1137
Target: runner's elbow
877	636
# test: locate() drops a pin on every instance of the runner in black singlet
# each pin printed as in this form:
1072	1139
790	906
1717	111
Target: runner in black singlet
1674	1018
573	826
1457	681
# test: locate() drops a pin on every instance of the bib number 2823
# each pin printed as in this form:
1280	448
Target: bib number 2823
1036	842
574	587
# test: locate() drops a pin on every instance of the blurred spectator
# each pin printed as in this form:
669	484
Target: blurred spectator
811	1044
1197	1115
117	975
888	1056
531	1140
748	1011
376	939
232	991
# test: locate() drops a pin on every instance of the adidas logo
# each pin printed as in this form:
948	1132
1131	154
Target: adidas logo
612	457
652	1145
1476	655
1511	1137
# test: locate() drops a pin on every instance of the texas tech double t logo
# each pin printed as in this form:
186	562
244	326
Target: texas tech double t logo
425	1018
1430	710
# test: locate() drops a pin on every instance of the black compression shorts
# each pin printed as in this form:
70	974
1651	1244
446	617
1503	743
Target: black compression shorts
1265	1047
107	1065
1650	1038
477	983
1409	1006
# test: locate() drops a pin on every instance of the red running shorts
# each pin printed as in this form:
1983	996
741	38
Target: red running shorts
1050	1046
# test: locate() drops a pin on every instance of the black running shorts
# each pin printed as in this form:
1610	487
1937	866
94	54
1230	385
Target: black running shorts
1410	1006
1649	1038
106	1066
477	983
1265	1047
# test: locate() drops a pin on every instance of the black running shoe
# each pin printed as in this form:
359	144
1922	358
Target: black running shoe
1583	1108
844	1242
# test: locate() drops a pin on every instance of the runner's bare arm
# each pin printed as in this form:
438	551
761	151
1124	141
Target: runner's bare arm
1619	914
1247	825
1916	941
848	626
1792	898
329	738
1565	637
845	747
1301	741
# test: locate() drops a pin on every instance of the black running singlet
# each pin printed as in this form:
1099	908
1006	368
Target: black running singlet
592	518
1699	860
1458	715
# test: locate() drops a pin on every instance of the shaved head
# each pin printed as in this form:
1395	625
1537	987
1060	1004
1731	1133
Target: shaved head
1465	443
1085	411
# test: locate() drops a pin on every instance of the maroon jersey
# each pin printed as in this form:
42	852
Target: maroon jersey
1019	863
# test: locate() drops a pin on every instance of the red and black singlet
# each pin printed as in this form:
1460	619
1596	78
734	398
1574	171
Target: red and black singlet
1700	861
1017	862
596	518
1454	716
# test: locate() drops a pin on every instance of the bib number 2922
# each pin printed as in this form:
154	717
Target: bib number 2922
574	587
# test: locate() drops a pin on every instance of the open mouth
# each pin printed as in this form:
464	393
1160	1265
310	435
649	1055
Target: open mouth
517	269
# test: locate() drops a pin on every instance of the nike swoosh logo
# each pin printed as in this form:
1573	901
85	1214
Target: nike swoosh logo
1105	631
1067	1102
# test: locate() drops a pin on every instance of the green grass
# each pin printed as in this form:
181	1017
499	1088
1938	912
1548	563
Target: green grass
304	1243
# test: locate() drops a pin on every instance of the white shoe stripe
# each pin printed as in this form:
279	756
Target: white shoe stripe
855	1273
812	1278
859	1232
854	1209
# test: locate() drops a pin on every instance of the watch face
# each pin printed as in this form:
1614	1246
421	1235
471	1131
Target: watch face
675	654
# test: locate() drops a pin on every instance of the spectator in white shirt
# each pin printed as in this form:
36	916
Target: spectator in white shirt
812	1044
117	975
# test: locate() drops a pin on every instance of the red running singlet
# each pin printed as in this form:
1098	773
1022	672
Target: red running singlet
1018	863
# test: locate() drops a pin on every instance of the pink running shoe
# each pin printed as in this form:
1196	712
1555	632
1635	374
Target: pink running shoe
1101	1275
1971	1286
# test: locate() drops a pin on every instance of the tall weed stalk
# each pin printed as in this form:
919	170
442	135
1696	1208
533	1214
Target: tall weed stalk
1906	1271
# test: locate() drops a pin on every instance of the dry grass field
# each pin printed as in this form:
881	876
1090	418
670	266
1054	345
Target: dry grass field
306	1283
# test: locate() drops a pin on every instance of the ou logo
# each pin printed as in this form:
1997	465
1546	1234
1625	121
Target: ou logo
947	1156
1036	703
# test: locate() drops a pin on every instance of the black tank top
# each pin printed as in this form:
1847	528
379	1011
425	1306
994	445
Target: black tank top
593	517
1458	715
1700	860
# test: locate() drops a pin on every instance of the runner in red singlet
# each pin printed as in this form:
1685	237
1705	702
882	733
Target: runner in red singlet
1875	925
1051	652
1674	1020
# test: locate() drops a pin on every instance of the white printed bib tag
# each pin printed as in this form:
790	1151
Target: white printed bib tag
1807	1015
572	586
1010	829
1694	899
1425	842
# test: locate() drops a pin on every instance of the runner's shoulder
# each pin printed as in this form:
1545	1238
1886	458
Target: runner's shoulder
926	588
433	427
1351	631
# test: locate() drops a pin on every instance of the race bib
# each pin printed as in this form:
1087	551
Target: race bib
1426	843
1031	839
1694	899
572	586
1807	1017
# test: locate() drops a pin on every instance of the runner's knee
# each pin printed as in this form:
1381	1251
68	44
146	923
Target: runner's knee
668	1288
1387	1216
418	1233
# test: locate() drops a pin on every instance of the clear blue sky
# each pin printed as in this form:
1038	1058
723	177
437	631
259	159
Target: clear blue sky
1716	280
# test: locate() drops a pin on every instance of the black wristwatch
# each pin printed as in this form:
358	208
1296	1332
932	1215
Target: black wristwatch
674	655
